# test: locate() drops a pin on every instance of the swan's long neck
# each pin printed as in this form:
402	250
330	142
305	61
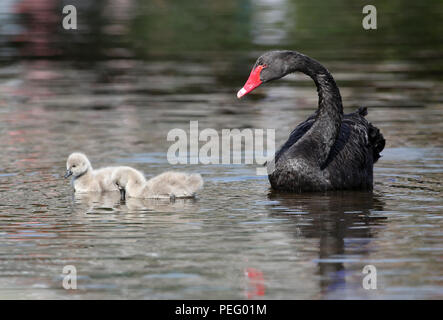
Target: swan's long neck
326	127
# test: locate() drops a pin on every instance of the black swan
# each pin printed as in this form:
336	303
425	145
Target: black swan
328	151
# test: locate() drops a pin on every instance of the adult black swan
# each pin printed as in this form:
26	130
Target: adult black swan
328	151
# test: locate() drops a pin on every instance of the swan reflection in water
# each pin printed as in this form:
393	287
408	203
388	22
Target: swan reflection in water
95	202
345	224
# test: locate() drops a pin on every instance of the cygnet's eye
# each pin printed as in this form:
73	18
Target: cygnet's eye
73	166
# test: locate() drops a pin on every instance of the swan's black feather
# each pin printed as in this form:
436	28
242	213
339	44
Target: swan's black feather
351	158
330	150
295	135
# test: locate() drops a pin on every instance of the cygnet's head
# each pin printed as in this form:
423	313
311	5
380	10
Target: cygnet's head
77	164
120	178
124	176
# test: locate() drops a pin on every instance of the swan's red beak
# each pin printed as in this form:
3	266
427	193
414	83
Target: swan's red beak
252	83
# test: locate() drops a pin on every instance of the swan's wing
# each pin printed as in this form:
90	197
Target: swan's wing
352	144
364	136
340	142
356	140
295	135
375	139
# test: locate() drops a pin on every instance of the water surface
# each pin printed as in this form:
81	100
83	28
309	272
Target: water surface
238	240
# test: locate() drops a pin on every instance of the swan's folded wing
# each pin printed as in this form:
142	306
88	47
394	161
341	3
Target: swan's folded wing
376	140
295	135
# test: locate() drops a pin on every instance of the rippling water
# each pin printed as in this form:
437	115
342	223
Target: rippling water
238	240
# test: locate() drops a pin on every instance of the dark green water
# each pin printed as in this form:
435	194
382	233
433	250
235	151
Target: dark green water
133	71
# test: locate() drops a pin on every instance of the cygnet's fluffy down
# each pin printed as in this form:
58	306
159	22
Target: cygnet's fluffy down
176	184
166	185
86	179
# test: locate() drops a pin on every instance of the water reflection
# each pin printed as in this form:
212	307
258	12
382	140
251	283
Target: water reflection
134	70
39	21
135	28
271	21
342	222
110	202
95	201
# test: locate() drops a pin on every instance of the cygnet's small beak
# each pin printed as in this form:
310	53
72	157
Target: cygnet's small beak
122	194
68	173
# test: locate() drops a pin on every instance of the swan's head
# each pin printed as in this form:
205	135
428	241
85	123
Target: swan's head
77	164
127	178
270	66
120	178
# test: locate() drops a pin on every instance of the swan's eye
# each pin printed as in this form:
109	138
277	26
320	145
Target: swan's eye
73	166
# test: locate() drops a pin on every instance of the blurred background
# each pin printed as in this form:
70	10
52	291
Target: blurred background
134	70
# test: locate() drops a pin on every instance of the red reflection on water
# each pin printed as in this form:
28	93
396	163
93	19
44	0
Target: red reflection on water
256	283
40	21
